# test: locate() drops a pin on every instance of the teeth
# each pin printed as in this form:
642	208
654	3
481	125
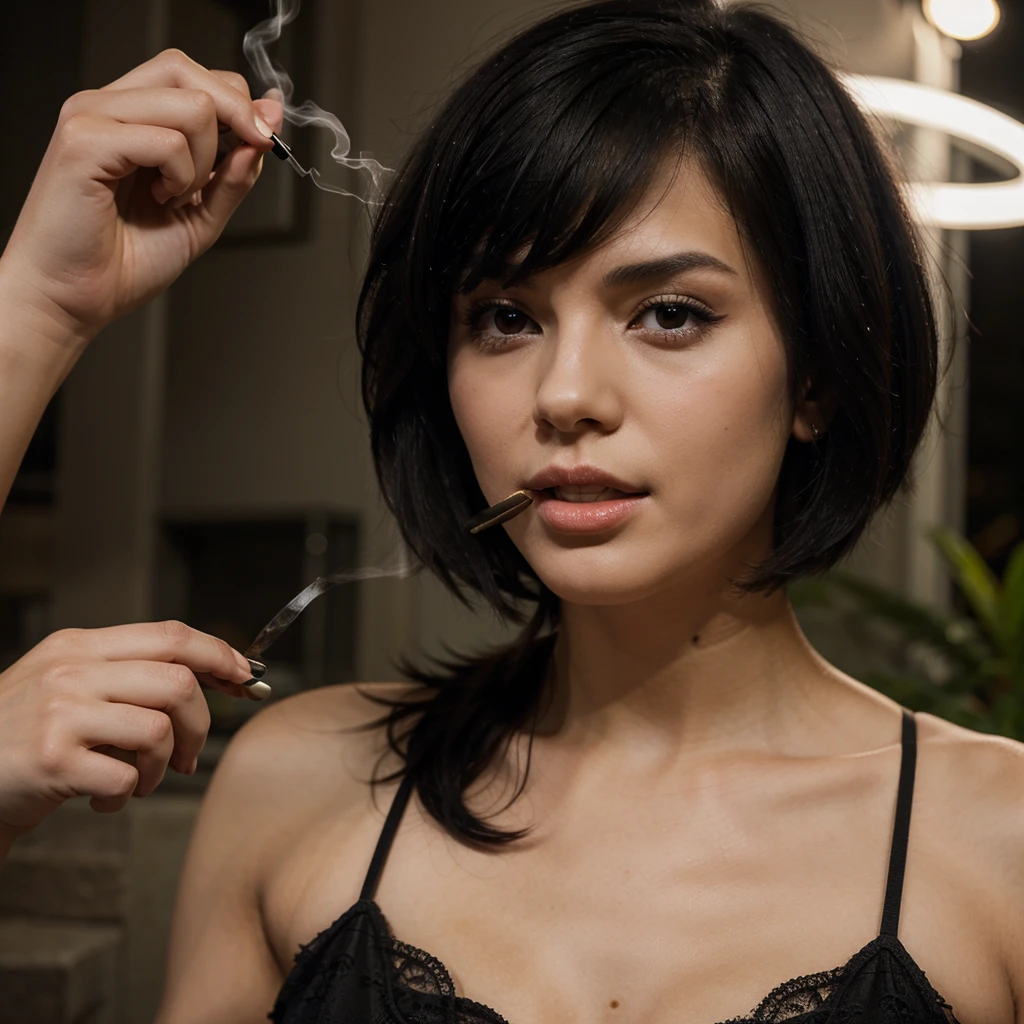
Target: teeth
586	492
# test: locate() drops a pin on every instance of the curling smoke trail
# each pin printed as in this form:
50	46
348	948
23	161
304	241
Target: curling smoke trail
274	77
291	611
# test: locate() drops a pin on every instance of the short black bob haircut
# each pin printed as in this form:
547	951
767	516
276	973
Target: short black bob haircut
550	143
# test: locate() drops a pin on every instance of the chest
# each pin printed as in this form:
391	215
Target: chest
656	910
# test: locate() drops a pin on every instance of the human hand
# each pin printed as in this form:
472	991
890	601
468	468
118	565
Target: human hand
132	691
97	237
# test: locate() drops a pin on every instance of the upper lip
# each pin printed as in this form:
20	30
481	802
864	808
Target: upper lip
560	476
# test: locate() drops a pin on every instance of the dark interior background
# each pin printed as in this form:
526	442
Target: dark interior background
992	72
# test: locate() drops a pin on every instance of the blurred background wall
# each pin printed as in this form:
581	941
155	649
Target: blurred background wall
208	457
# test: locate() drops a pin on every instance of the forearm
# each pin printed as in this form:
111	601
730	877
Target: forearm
36	354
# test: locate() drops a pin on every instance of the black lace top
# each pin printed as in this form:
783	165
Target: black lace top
356	972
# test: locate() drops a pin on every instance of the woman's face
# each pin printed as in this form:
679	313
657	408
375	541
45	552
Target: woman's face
654	360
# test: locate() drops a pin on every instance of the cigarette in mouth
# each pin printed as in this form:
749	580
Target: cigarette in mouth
501	512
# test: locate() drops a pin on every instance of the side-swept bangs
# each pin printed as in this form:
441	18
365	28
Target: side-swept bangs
546	148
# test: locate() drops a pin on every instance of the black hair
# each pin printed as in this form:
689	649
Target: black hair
547	146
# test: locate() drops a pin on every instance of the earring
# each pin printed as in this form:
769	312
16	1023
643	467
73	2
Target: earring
815	434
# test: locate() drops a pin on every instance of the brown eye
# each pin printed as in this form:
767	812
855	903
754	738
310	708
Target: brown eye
671	316
491	324
509	321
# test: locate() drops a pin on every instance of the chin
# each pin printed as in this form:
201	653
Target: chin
591	576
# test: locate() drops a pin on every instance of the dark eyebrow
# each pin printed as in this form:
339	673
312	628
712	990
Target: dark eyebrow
676	263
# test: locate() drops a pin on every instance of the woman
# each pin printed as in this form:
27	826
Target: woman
650	263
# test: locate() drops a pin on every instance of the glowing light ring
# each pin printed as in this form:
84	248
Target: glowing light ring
948	205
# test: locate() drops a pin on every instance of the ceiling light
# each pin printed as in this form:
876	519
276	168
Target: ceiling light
997	204
962	19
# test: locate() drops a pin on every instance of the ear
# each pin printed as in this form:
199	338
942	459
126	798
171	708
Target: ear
812	413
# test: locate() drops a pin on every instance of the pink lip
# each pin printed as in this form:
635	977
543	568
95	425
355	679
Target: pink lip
583	516
558	476
586	516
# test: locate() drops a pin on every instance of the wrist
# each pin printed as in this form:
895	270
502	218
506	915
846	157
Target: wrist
26	311
35	340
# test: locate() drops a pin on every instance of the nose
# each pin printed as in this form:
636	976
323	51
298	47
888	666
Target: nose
580	383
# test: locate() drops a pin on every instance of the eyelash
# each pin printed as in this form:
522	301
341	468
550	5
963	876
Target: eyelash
705	316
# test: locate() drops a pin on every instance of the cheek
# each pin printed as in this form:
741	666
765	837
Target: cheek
733	405
722	432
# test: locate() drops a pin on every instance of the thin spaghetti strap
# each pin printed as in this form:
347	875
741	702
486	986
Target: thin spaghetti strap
901	829
387	834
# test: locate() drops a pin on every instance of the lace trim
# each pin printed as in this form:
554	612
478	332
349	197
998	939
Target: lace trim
793	998
808	993
417	971
419	989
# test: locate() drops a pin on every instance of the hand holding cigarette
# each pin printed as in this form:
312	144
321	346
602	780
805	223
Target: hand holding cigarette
108	224
103	712
113	218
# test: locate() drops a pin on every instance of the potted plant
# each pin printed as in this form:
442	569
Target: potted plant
968	669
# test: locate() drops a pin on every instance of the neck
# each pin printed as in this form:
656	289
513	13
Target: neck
684	674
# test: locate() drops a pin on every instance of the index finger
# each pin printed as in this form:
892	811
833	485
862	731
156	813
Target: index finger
175	68
169	641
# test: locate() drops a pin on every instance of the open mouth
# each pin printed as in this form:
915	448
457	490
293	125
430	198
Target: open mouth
589	493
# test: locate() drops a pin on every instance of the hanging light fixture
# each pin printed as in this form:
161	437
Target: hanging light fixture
997	204
962	19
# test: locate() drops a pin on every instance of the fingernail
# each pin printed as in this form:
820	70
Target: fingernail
259	670
257	690
197	198
194	766
264	128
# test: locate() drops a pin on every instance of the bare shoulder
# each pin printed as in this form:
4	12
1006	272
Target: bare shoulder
315	741
984	774
299	764
344	705
305	763
987	767
977	779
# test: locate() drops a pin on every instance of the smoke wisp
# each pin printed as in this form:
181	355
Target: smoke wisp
291	611
273	76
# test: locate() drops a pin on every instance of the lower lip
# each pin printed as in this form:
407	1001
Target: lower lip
587	516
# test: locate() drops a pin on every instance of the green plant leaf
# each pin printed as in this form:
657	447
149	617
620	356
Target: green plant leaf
920	694
953	638
1012	605
810	592
1007	714
995	668
974	577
